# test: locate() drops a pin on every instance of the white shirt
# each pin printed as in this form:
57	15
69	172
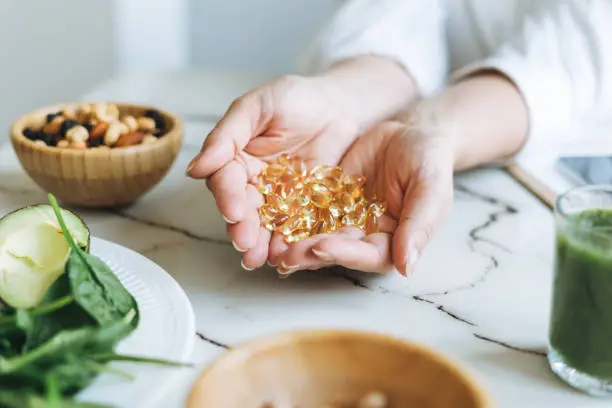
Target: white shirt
557	52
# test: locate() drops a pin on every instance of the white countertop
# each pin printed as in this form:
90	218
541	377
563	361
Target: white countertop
481	293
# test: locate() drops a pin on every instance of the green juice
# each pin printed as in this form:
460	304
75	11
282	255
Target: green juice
581	321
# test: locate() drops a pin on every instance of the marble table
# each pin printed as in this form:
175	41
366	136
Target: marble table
481	293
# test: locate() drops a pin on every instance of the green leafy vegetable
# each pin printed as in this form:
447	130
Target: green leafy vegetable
22	399
96	288
50	352
58	312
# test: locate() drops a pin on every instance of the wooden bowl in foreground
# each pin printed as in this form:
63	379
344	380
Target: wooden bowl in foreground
315	369
97	177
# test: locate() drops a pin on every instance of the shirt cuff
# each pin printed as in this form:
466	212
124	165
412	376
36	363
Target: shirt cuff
429	79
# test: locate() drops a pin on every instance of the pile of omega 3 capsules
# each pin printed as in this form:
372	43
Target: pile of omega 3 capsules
302	202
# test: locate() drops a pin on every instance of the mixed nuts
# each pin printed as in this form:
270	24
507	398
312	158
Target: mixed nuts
98	125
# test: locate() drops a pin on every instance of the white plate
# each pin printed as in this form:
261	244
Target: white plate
166	330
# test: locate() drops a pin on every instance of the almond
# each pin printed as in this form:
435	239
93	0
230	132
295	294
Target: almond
54	126
99	130
130	139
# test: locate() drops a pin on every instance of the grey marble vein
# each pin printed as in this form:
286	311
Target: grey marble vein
444	310
475	237
182	231
211	341
509	346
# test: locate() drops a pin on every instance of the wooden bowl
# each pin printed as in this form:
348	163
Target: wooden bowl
96	177
315	368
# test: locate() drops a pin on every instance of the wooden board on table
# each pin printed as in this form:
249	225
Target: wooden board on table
533	184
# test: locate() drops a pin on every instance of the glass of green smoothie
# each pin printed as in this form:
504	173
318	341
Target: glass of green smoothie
580	348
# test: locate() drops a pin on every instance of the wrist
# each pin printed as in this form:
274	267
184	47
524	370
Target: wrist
367	88
483	119
432	118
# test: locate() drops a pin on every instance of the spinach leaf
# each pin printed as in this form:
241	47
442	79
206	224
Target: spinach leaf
24	320
57	312
82	340
53	392
112	356
5	346
95	287
24	399
11	341
69	372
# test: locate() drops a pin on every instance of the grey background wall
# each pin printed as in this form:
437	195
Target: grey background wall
49	50
265	35
54	50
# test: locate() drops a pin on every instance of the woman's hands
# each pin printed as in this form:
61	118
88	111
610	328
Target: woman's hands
292	114
317	118
409	164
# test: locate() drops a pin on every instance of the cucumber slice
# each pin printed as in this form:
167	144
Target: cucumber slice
33	253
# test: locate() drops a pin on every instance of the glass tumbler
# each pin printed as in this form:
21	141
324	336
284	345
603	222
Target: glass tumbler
580	337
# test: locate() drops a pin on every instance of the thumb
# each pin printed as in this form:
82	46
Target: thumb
242	122
422	212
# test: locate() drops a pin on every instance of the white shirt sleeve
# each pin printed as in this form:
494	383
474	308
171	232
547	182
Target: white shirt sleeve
561	62
410	31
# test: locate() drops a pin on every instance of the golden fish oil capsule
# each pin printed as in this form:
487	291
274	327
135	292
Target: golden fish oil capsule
356	180
353	190
277	202
362	201
268	212
351	220
274	172
320	172
302	200
284	160
354	185
265	187
300	168
337	173
291	224
346	202
308	216
359	214
297	235
332	184
279	220
335	208
320	196
328	222
371	224
377	209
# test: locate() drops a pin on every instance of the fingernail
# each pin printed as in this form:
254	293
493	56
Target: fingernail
285	270
192	164
407	269
237	247
413	256
228	220
285	266
270	264
322	255
246	268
